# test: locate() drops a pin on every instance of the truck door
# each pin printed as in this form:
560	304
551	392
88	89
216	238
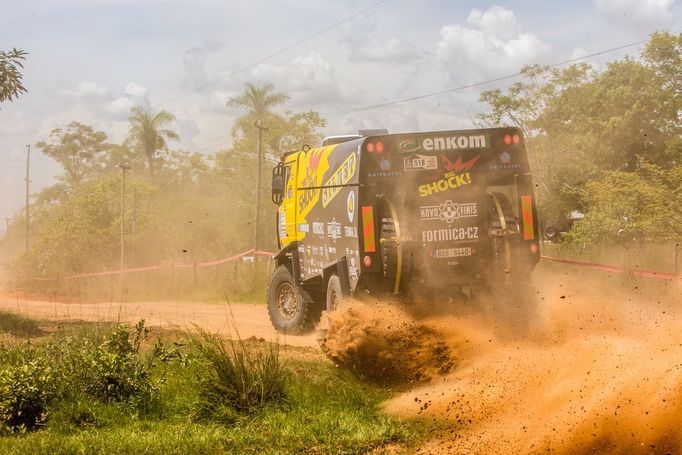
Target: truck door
287	210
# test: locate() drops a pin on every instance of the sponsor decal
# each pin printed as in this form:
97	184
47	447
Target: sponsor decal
350	232
505	162
450	234
417	162
352	268
334	230
449	211
304	227
408	146
458	166
504	167
384	165
282	224
444	184
454	143
340	177
452	252
308	196
384	174
443	143
318	228
350	206
505	157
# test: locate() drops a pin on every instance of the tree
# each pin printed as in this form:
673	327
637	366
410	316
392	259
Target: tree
258	100
79	149
557	168
148	134
10	74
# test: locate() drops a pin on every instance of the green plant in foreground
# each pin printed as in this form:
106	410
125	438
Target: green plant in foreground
25	392
235	378
117	373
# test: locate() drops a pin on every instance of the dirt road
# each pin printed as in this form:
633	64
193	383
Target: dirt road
250	320
598	372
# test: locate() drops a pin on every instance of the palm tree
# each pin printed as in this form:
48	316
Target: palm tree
258	100
146	130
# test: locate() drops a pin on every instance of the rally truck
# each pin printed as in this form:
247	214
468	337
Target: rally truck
433	214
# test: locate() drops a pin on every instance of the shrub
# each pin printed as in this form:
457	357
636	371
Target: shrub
25	393
236	378
108	367
117	374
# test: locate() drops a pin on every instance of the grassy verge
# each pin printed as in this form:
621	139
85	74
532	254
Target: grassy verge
19	326
319	408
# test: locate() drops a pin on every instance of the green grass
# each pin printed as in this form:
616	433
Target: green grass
323	410
17	325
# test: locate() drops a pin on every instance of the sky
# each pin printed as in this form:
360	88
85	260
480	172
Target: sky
92	60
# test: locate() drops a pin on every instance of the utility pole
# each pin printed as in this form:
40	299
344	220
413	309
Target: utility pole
124	167
28	157
8	249
261	128
132	229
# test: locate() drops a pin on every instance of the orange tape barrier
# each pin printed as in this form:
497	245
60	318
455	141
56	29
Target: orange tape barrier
613	268
161	266
589	265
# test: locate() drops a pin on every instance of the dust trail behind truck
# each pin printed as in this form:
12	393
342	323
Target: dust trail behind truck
446	214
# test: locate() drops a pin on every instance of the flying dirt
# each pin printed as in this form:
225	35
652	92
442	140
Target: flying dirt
598	371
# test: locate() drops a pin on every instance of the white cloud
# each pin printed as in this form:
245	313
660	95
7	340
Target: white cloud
385	50
309	80
496	21
367	45
636	15
491	44
119	107
135	90
577	52
86	90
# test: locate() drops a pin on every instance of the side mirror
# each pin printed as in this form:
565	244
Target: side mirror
277	184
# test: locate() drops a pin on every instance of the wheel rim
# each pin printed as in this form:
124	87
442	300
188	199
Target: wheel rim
287	301
334	301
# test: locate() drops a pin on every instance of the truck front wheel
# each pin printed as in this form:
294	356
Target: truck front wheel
288	304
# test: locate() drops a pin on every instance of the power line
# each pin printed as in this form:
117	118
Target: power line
476	84
274	54
450	90
262	60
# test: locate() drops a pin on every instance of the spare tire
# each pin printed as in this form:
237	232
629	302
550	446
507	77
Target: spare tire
551	233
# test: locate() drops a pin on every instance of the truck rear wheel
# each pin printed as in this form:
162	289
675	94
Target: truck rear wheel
288	304
396	260
334	294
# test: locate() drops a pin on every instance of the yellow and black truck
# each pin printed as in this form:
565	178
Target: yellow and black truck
416	214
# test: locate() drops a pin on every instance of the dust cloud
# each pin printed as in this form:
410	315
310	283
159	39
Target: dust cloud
599	370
